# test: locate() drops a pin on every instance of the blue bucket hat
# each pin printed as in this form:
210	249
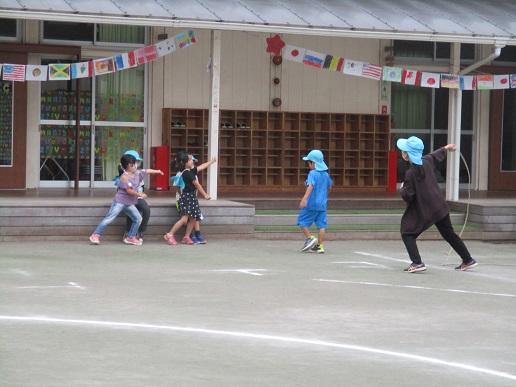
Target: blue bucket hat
133	153
316	156
414	148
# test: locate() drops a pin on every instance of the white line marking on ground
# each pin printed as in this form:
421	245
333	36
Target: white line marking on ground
362	265
417	287
294	340
433	267
70	285
21	272
244	271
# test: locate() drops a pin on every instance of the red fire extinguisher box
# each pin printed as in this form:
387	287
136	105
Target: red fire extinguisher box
160	159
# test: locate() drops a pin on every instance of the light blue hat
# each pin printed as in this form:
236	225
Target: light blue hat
316	156
414	148
133	153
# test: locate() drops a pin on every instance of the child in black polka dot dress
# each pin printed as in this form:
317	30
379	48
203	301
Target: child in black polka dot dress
189	210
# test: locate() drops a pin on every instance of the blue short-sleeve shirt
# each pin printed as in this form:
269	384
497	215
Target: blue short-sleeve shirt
322	182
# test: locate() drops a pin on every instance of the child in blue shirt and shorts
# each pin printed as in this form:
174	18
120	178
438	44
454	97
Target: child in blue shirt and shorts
314	203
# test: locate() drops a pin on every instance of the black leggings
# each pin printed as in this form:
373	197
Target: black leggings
446	230
144	209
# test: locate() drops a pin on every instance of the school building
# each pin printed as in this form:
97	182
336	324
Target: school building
226	96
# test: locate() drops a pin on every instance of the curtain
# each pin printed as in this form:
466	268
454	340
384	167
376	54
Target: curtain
120	34
411	107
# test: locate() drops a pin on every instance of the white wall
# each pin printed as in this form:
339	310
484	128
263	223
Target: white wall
181	79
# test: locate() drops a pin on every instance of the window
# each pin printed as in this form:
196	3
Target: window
423	112
509	131
88	32
430	50
81	32
508	54
8	28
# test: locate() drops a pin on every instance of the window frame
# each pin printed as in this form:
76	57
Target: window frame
16	38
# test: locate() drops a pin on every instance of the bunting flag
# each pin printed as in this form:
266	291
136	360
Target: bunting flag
392	74
59	71
82	70
513	81
104	66
166	47
125	61
410	77
146	54
13	72
314	59
484	82
501	82
36	73
430	80
352	67
450	81
185	39
293	53
371	71
468	82
333	63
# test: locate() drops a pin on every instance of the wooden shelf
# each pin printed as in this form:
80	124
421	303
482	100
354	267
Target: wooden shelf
261	150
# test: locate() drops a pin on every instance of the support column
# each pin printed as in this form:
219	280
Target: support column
213	123
454	125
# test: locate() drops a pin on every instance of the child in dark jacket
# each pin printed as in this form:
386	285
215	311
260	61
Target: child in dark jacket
426	205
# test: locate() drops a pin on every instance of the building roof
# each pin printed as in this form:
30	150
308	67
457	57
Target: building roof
467	21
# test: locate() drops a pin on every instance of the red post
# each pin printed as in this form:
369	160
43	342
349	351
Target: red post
392	171
160	160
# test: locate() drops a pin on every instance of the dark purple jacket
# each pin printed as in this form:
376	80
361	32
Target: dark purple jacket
425	202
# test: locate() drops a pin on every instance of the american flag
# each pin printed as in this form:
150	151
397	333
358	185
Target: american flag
371	71
14	72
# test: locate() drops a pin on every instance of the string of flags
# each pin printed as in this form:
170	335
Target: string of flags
67	71
401	75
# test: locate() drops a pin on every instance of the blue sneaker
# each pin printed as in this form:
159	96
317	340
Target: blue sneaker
194	239
200	238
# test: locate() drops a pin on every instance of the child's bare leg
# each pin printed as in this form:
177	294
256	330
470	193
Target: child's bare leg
307	232
190	227
197	225
180	223
322	233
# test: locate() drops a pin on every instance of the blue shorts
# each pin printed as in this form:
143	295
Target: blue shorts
308	217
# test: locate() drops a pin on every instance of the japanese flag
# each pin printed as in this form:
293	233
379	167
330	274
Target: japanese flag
430	80
501	81
294	53
410	77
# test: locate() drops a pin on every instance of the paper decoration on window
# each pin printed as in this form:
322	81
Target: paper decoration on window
392	74
59	71
82	70
501	82
14	72
126	60
104	66
484	82
36	73
450	81
371	71
166	47
146	54
293	53
314	59
410	77
352	67
468	82
430	80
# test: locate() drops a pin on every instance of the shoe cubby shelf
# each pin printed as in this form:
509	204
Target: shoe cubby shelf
261	150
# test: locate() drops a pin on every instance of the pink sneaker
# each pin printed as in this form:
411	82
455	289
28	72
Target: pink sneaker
95	239
133	241
187	241
170	239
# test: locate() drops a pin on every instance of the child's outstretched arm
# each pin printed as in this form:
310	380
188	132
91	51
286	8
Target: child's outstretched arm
308	192
154	171
201	190
207	164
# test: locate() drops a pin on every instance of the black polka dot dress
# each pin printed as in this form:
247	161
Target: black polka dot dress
189	205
